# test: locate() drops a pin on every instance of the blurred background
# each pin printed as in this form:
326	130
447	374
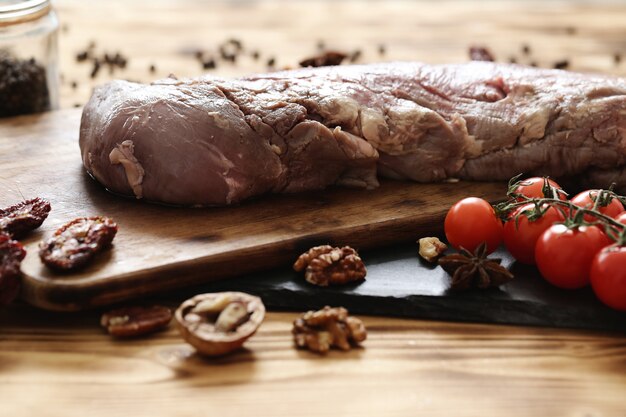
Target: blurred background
143	40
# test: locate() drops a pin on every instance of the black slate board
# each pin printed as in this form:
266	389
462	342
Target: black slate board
400	284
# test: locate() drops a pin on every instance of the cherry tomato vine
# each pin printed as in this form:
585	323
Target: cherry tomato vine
573	242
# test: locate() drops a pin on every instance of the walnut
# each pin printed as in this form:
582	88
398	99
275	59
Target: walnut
219	323
431	248
329	327
326	265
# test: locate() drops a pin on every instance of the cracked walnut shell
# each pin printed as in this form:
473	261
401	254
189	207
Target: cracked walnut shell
329	327
219	323
325	265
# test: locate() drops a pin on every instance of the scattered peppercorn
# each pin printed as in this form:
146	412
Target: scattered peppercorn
120	60
74	85
617	58
526	49
23	86
199	55
255	55
382	49
227	53
533	64
480	53
113	61
152	69
321	45
96	68
235	43
271	62
325	59
563	64
354	56
512	60
209	64
82	56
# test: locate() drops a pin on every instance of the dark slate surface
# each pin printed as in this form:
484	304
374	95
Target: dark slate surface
400	283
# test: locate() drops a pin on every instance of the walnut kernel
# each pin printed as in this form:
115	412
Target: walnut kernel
431	248
232	316
321	330
325	265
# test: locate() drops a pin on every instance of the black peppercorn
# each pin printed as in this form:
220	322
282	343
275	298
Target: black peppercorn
23	86
209	64
563	64
354	56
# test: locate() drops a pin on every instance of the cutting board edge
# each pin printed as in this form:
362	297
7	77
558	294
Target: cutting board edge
67	296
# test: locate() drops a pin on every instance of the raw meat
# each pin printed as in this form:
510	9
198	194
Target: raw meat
210	141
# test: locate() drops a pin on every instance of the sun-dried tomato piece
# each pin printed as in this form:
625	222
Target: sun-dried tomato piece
136	321
73	245
23	217
11	255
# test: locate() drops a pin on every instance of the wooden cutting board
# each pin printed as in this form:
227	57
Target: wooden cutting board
160	248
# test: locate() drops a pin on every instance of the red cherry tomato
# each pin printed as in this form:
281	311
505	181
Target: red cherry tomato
471	222
520	237
608	276
621	217
585	200
564	255
533	188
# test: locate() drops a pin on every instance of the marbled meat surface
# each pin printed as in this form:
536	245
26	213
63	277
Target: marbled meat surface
210	141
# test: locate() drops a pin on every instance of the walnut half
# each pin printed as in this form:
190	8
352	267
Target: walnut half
219	323
329	327
431	248
326	265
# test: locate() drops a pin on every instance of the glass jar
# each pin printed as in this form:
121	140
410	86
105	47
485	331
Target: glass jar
28	57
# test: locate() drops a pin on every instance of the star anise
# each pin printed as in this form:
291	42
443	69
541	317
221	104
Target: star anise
475	270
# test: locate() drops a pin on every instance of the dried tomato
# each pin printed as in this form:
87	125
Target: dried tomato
11	255
73	245
23	217
136	321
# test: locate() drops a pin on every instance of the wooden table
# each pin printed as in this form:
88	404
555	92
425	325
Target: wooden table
55	364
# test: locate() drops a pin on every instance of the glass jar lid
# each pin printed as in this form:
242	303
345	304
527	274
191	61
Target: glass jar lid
16	11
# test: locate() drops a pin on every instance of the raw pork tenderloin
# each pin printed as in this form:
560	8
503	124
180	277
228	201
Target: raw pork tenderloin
210	141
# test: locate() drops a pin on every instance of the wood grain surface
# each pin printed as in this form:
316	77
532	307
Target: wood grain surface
54	364
161	248
59	364
166	33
